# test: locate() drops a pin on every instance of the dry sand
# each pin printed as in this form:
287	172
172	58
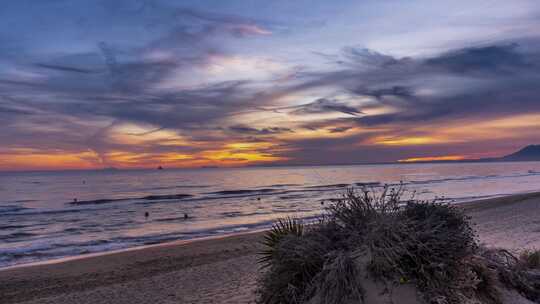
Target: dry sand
222	270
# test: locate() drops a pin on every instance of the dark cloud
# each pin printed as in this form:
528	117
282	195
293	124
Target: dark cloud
484	82
65	68
242	129
496	82
468	85
339	129
398	91
367	57
324	105
488	59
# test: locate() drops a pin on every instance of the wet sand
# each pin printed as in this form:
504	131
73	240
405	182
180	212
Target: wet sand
219	270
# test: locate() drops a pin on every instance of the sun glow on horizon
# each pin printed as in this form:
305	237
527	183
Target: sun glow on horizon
432	158
407	141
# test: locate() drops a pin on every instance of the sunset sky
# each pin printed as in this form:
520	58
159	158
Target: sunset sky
130	84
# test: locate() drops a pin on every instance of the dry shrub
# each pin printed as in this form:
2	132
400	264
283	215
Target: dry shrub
338	281
530	259
515	273
295	262
427	243
482	282
439	238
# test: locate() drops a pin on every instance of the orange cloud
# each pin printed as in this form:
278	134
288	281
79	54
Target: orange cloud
23	159
242	153
408	141
432	158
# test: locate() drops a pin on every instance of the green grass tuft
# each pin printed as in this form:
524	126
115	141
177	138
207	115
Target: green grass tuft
280	229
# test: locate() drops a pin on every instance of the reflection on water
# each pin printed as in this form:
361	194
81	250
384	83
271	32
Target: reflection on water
40	220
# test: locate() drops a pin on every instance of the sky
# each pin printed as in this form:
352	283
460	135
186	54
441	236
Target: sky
141	84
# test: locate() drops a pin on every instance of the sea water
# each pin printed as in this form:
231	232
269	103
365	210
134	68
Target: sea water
48	215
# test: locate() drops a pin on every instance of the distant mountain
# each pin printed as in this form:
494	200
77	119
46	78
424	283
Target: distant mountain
529	153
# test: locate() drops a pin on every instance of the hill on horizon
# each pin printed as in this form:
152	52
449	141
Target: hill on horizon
528	153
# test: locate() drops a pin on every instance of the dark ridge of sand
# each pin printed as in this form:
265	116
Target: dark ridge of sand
219	270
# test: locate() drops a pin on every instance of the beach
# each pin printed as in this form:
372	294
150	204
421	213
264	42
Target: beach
217	270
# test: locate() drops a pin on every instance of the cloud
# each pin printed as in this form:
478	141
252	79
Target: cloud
398	91
235	25
84	94
481	81
242	129
404	95
340	129
147	72
324	105
488	59
367	58
65	68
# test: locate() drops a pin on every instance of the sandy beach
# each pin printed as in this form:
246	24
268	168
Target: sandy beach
219	270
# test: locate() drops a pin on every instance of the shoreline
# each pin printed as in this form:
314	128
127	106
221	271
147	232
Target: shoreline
168	263
467	205
216	269
184	242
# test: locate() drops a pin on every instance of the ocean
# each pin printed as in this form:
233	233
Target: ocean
39	220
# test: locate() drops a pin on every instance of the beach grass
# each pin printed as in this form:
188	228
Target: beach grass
386	239
531	258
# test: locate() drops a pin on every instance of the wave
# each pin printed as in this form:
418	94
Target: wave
472	177
47	251
146	198
242	191
368	184
6	209
175	219
12	226
165	197
44	249
16	235
292	196
241	214
329	186
44	212
175	187
284	185
97	201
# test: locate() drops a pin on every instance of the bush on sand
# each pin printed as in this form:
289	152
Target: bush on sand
391	241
